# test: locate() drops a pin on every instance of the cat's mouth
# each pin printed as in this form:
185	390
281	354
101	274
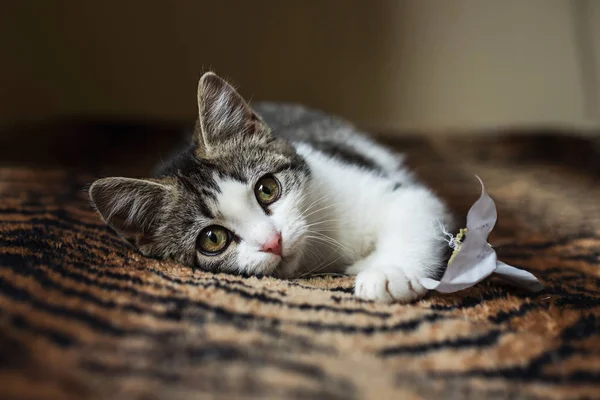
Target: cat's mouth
280	263
286	266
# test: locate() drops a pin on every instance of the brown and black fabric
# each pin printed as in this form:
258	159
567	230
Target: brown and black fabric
83	316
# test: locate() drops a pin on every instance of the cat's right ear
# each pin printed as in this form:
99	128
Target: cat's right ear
132	207
223	115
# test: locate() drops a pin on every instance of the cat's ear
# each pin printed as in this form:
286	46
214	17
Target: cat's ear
224	115
132	207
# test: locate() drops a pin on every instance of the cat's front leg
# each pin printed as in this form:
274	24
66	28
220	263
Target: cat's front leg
410	246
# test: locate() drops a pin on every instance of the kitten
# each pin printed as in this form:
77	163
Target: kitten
284	191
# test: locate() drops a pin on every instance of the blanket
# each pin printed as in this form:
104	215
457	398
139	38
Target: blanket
84	316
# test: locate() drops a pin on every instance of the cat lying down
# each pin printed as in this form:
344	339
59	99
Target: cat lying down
285	191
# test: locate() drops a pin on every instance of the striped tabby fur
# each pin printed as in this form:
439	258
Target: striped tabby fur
83	316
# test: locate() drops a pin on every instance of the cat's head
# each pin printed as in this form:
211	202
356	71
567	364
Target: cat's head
232	202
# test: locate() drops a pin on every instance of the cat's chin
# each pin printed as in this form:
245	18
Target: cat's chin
287	266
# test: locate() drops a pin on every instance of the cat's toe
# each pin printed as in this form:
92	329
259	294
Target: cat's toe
387	286
371	284
404	289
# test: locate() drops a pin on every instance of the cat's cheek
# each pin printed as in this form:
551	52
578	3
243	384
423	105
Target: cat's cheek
289	267
293	236
289	220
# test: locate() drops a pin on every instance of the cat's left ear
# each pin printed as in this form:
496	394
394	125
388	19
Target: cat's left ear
134	208
224	115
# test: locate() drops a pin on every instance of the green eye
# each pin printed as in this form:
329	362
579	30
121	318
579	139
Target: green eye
213	240
267	190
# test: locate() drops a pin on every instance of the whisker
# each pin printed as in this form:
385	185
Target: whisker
315	202
322	209
319	267
322	222
312	242
337	243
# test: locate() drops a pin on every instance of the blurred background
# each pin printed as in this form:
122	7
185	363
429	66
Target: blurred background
390	66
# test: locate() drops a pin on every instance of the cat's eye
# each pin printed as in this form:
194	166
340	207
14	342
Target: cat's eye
267	190
213	240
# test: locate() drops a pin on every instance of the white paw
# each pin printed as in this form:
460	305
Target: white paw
387	285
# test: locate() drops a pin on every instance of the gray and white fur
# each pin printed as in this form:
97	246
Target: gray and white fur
344	203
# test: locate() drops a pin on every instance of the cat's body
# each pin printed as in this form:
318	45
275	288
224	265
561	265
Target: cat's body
367	196
288	192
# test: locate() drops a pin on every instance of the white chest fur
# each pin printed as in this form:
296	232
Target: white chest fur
349	205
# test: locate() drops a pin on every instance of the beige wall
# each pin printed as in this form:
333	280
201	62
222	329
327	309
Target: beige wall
385	64
592	11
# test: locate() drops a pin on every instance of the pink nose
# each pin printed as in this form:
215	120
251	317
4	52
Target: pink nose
273	245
